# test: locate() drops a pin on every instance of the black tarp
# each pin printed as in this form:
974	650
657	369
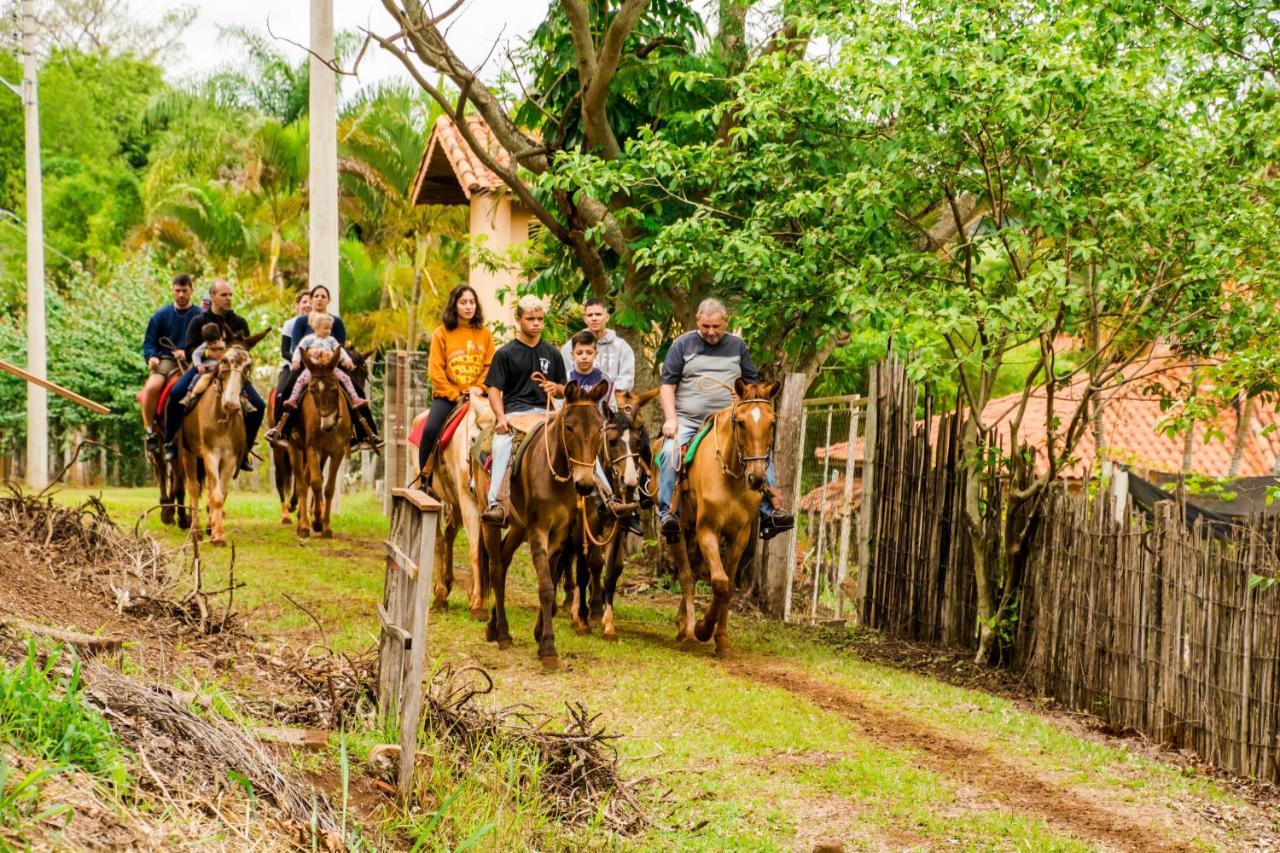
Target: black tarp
1233	506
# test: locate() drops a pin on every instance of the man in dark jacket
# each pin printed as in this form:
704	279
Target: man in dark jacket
161	347
233	326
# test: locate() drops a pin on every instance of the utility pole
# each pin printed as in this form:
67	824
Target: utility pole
37	397
323	180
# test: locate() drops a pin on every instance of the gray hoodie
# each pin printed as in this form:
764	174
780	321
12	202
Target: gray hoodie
614	358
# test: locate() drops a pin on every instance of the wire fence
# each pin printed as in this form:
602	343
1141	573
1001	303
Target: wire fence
828	493
406	391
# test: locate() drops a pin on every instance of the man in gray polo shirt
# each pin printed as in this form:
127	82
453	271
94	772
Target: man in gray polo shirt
698	372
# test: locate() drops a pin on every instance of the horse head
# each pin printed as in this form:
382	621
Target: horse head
752	425
359	371
325	392
235	367
582	433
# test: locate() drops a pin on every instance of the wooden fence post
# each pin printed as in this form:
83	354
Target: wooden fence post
784	460
403	613
868	492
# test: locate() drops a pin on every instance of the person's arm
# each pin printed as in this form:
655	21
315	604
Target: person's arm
339	330
286	342
667	394
626	378
151	342
296	360
494	381
438	369
672	371
344	359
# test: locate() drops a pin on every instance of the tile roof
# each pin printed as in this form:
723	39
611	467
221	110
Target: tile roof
450	172
1131	417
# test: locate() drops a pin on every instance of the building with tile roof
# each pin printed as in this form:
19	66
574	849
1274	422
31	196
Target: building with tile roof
451	173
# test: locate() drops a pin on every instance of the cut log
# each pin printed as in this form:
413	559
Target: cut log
87	642
301	738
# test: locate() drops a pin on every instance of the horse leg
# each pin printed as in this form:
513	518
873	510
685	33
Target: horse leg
738	545
721	588
684	573
315	488
161	470
613	571
499	560
581	576
280	460
444	567
178	494
192	475
570	589
597	589
219	469
544	630
330	486
475	543
301	479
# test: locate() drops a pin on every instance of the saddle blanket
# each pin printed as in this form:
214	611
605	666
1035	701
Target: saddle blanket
691	448
446	433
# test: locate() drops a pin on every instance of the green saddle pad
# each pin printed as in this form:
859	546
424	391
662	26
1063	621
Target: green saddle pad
692	447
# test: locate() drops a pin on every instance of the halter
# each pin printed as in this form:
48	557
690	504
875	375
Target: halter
564	445
224	369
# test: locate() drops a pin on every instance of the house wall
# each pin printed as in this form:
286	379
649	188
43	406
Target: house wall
503	226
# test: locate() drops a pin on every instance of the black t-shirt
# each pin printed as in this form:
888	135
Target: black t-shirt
232	325
513	367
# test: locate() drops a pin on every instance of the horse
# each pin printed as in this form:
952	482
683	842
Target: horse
460	483
592	586
213	441
555	476
325	426
282	457
716	512
170	481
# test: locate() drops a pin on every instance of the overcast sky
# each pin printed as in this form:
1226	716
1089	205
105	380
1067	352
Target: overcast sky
473	32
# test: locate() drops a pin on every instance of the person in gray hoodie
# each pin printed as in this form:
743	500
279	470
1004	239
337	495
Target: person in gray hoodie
614	356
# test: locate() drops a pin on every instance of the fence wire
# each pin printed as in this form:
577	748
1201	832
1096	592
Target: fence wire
827	495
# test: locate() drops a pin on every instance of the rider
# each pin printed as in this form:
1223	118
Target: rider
301	308
518	380
698	372
233	326
205	360
614	356
461	352
160	347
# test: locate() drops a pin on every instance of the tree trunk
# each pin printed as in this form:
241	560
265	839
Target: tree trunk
732	35
1244	422
772	591
984	574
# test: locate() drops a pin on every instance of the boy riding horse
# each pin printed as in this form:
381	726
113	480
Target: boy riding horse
698	376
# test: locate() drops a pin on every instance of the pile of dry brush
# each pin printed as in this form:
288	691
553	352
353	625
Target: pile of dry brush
579	765
83	546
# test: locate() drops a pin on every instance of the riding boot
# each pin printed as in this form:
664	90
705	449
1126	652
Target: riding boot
276	436
373	440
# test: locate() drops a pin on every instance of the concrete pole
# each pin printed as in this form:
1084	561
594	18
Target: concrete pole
323	180
37	397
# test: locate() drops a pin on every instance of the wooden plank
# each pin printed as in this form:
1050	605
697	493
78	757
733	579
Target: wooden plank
54	387
411	701
402	560
418	498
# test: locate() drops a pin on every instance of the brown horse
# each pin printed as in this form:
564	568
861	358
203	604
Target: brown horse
716	512
282	457
212	441
591	588
323	440
171	482
460	483
549	491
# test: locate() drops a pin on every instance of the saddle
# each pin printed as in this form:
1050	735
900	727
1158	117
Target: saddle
689	450
163	400
446	432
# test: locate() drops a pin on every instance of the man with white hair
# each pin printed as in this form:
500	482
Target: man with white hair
697	375
519	375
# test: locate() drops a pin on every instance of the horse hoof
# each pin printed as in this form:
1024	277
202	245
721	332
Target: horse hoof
316	527
304	533
724	651
218	543
550	663
504	643
284	519
479	614
184	523
611	636
581	629
166	516
326	534
440	605
703	631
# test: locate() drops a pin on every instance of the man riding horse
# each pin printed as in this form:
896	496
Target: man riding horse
698	377
233	326
162	348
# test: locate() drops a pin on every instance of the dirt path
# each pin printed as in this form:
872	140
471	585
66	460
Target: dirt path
975	766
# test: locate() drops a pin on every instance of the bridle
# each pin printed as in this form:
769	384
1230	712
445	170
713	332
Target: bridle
333	414
564	444
219	378
737	443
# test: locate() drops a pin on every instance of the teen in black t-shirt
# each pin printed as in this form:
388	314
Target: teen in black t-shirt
512	369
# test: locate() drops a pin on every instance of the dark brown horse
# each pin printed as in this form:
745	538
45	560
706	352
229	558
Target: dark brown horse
591	572
719	500
172	486
556	476
322	442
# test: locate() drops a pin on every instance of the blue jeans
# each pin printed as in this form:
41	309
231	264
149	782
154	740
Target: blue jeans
502	456
667	473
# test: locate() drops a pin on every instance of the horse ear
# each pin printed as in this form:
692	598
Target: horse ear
598	392
645	396
770	390
253	340
740	388
573	391
365	356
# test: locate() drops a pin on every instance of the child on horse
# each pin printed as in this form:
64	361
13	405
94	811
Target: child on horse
321	340
205	359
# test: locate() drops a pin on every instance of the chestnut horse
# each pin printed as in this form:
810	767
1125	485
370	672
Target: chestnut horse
324	437
599	563
460	483
212	441
716	511
556	475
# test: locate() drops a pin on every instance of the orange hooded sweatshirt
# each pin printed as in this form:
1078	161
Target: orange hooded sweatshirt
459	360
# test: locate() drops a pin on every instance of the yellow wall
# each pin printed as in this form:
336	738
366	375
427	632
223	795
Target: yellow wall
503	226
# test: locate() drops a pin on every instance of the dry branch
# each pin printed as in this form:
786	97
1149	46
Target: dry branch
87	642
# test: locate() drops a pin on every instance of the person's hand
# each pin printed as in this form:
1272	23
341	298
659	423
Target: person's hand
552	389
502	427
179	355
153	363
669	427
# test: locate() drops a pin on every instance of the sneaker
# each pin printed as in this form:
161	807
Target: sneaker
247	465
773	522
633	527
154	440
670	524
495	513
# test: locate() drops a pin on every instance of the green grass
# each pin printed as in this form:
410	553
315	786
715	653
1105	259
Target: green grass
748	765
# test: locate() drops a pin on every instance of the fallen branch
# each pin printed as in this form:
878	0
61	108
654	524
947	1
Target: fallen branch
87	642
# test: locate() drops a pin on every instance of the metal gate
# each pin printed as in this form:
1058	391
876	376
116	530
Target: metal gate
827	497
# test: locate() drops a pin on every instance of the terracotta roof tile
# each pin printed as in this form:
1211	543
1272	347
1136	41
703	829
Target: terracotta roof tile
450	164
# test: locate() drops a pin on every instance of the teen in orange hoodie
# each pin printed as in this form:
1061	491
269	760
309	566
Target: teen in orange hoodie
461	349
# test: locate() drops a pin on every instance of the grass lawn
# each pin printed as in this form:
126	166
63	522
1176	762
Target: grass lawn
789	744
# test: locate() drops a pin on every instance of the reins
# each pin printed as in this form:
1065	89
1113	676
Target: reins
546	442
732	411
